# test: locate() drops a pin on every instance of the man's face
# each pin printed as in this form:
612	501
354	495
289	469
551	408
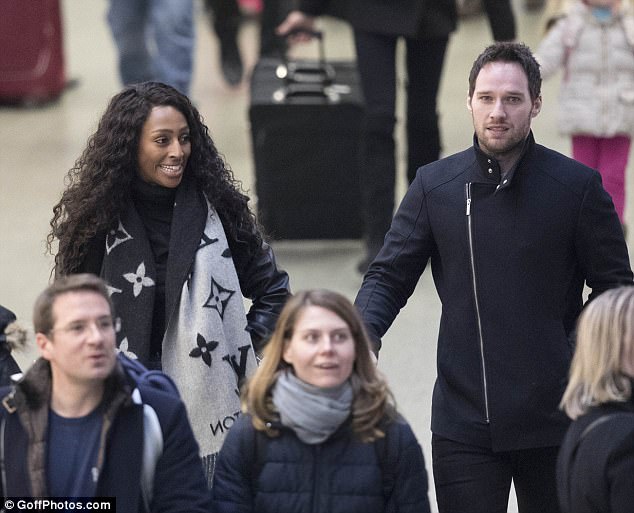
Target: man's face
501	108
81	345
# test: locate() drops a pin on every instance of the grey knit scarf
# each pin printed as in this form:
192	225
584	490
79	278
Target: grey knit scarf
314	413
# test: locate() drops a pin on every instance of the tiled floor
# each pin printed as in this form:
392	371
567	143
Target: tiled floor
38	146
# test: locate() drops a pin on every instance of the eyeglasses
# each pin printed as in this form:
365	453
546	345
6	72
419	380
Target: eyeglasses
81	328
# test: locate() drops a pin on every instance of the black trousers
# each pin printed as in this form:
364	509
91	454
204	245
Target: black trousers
376	56
227	21
474	479
501	19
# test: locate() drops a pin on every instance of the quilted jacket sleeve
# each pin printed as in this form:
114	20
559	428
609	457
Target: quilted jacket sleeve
411	483
232	489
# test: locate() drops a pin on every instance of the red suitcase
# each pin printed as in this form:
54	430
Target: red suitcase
31	51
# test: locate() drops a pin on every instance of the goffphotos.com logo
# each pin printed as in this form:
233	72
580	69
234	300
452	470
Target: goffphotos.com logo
60	504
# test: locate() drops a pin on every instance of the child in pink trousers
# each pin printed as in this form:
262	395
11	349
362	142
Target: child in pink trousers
593	41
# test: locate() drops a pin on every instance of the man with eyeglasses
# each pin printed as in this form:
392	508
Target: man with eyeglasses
72	426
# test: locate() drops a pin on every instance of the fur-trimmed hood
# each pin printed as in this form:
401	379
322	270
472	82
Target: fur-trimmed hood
11	332
29	399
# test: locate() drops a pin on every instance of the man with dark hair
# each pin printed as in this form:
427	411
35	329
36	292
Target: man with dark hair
76	425
513	231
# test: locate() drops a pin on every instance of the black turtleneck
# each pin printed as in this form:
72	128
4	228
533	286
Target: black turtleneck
155	205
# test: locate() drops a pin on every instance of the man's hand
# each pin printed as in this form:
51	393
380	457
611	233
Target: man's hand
296	20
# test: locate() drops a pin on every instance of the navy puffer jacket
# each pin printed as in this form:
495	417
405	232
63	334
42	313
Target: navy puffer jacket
341	475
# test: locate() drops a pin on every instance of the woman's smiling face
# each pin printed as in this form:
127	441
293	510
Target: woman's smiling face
164	147
321	349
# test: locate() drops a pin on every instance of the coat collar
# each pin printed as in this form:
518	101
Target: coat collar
489	168
30	400
33	390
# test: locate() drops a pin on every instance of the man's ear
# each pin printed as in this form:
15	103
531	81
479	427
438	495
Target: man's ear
469	103
44	345
537	106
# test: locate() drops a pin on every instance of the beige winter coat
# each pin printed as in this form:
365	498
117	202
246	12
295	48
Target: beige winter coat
597	88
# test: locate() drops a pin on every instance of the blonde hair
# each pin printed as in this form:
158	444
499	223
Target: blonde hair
372	401
605	337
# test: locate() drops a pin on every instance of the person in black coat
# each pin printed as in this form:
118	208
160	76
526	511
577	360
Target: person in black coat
499	13
513	232
152	208
595	469
501	19
425	26
226	20
319	431
12	336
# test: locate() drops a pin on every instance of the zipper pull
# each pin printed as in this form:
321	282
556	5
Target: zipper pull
467	193
95	474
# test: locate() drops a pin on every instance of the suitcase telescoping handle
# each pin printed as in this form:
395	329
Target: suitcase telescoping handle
304	77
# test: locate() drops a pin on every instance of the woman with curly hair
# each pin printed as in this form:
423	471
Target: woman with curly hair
152	208
320	431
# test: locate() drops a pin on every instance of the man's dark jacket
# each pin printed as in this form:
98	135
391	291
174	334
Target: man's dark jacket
179	482
509	259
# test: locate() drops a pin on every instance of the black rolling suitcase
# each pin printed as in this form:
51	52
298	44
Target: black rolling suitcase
305	121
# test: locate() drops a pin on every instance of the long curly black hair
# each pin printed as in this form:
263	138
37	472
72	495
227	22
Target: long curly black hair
98	186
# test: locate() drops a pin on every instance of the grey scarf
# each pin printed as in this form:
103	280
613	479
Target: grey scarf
313	413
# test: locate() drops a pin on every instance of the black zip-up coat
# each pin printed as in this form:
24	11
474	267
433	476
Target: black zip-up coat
509	259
